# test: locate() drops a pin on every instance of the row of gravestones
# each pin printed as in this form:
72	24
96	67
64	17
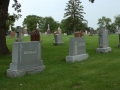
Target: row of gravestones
26	56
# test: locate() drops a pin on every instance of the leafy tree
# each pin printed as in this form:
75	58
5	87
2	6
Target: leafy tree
10	21
104	22
112	27
74	11
3	17
117	21
51	22
92	1
31	22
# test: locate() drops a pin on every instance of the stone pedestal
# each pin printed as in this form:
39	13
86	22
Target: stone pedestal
19	73
76	58
103	50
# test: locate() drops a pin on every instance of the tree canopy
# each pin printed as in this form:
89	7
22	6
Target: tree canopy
74	13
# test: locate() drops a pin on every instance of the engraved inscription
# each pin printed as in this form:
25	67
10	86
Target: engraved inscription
81	44
75	48
29	52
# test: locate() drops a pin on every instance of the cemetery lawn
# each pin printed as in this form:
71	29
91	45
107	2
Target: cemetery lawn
101	71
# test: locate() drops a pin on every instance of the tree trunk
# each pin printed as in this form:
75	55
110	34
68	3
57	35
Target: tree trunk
3	16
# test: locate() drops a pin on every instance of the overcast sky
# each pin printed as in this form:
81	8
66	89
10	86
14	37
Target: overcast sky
55	9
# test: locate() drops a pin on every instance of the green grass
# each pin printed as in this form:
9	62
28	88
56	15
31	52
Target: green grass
101	71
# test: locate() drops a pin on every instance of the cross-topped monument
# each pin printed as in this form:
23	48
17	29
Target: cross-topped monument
10	28
48	31
48	27
19	34
37	26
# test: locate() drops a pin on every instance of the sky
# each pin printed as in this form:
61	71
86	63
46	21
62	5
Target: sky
55	9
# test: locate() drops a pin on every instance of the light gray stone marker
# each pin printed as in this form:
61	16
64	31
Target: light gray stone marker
19	34
58	39
26	58
77	50
103	41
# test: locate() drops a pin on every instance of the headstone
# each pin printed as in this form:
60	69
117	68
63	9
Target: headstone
86	32
59	30
48	30
37	26
25	31
12	33
58	39
91	32
79	34
35	35
65	34
77	50
56	32
19	34
26	58
9	30
103	41
45	33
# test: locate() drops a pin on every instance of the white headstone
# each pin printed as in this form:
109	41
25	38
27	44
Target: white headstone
25	30
48	27
10	28
59	30
37	26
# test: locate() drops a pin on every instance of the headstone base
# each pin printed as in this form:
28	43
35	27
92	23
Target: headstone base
76	58
19	73
60	43
103	50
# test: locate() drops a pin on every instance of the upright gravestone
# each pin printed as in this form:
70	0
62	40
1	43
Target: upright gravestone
91	31
58	39
48	30
79	34
25	31
9	30
103	41
35	35
26	58
55	33
19	34
12	34
59	30
86	32
77	50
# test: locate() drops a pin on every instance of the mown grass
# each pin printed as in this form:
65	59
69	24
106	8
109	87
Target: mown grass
100	71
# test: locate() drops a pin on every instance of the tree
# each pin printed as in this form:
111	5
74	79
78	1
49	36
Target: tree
10	21
53	24
92	1
31	22
104	22
117	21
3	17
112	27
74	9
